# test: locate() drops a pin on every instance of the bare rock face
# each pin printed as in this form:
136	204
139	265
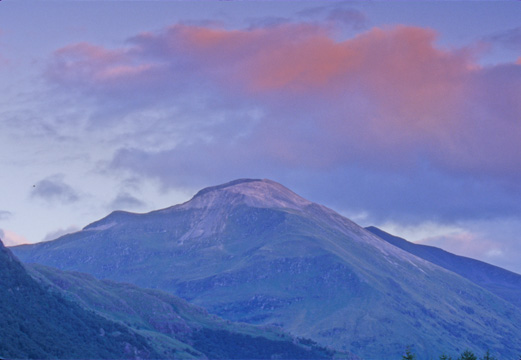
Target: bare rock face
254	251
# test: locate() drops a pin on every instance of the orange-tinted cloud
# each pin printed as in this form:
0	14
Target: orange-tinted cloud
86	65
10	238
387	97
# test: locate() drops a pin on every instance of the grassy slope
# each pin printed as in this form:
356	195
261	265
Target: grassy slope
38	323
317	283
170	322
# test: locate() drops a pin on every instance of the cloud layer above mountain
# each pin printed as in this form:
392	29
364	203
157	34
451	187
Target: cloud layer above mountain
387	106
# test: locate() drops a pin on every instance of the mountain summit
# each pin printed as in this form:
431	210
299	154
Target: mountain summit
251	192
254	251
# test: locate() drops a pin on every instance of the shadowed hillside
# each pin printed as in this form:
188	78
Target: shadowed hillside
36	322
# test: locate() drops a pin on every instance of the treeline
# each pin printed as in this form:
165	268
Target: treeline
222	344
465	355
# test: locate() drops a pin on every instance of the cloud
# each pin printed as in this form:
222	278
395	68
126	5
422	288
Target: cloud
90	65
413	125
10	238
124	200
337	13
510	38
355	18
493	241
464	242
4	215
54	189
60	232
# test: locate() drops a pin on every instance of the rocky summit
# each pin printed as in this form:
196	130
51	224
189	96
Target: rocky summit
254	251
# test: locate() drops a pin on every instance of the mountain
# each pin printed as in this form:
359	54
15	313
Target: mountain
38	323
48	313
254	251
501	282
176	328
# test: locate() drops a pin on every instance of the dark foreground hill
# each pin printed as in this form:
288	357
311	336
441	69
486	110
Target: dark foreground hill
253	251
38	323
498	281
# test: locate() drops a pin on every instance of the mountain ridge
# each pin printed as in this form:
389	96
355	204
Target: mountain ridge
300	266
499	281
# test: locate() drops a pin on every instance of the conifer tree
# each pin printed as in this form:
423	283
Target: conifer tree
487	356
467	355
409	355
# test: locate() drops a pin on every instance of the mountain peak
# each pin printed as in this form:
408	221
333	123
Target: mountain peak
254	251
228	184
251	192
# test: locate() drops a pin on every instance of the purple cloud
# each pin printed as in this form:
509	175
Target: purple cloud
386	110
60	232
54	189
354	18
510	38
4	215
337	13
124	201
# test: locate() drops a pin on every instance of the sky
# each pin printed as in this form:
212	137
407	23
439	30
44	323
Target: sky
402	115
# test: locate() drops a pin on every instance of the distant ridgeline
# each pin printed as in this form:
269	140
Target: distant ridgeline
500	282
255	252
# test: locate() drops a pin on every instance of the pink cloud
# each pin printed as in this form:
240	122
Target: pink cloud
488	242
10	238
388	97
398	70
463	242
85	65
289	58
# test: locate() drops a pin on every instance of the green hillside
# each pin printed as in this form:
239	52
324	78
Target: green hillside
175	327
38	323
